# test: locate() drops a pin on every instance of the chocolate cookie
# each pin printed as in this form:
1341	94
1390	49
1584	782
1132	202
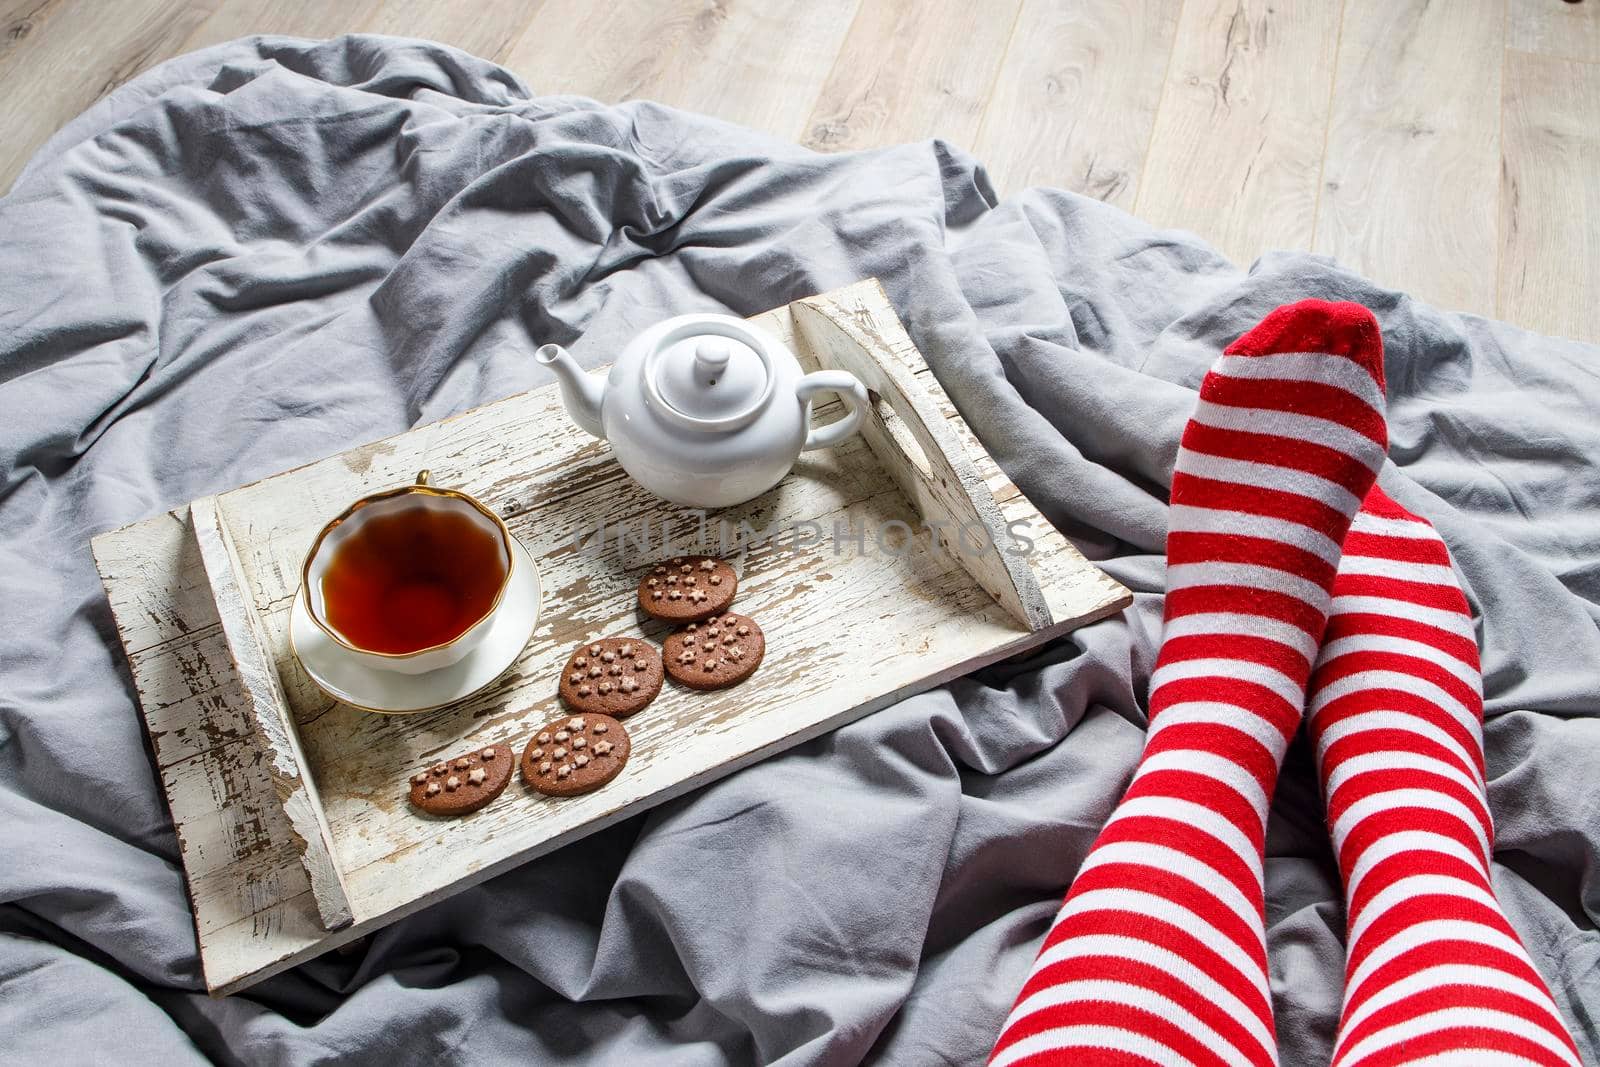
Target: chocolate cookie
575	755
688	589
722	651
463	784
613	676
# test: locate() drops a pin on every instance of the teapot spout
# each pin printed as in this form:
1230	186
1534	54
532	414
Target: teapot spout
580	390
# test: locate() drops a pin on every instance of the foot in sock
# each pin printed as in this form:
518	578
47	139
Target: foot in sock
1159	952
1396	711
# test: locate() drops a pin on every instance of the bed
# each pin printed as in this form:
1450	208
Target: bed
266	252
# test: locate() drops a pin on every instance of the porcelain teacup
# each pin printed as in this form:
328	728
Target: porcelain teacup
410	579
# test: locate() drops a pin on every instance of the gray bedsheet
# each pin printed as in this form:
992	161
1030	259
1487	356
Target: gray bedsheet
263	253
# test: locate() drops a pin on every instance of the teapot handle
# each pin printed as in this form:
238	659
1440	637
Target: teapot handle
850	390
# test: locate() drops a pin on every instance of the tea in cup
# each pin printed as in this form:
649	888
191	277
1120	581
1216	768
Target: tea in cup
409	579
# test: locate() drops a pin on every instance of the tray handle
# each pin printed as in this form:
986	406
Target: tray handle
856	329
258	678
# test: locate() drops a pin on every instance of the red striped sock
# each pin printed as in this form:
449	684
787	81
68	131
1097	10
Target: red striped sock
1158	954
1435	973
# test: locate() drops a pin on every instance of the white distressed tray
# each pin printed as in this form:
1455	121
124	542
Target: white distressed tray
290	808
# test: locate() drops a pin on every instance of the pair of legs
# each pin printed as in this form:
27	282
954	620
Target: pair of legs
1294	585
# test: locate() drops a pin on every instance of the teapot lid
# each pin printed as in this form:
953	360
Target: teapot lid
712	374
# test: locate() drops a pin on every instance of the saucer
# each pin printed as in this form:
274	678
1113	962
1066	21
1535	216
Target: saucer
337	674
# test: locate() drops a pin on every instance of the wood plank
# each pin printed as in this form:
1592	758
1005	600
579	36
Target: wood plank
917	449
257	677
253	904
1076	97
236	867
912	69
1410	185
1237	150
1550	196
1067	579
241	870
1552	28
297	18
65	56
486	28
756	64
20	18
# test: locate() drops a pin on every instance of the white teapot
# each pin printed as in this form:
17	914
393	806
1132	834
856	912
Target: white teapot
705	410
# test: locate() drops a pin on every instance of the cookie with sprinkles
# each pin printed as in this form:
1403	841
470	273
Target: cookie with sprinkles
613	676
462	784
723	650
575	754
688	589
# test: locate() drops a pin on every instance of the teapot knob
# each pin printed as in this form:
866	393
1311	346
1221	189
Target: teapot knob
711	357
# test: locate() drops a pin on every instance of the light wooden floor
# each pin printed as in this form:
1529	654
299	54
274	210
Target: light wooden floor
1450	149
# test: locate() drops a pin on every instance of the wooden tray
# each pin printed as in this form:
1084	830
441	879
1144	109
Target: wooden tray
290	808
